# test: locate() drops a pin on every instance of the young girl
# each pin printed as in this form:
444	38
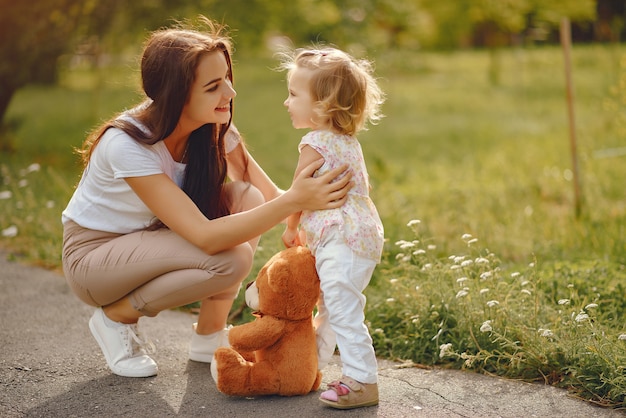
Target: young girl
154	224
334	95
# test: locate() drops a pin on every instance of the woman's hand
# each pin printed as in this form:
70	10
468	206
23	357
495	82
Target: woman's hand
327	191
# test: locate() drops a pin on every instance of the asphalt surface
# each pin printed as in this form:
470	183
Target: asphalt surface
50	366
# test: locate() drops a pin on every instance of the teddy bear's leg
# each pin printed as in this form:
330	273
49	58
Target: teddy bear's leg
263	379
235	376
318	381
246	355
225	360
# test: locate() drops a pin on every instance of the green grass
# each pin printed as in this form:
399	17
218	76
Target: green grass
460	154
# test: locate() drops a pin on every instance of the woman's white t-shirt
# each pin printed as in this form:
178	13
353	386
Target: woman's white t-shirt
103	200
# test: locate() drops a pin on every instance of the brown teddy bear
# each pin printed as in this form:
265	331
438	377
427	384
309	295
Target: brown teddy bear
276	354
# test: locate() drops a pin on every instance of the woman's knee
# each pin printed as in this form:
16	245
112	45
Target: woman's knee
243	196
234	263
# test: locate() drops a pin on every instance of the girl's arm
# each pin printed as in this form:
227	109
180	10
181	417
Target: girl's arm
176	210
291	237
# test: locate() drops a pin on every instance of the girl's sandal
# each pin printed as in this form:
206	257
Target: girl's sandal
350	394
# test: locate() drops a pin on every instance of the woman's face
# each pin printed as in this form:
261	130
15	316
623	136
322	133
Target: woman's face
299	102
211	93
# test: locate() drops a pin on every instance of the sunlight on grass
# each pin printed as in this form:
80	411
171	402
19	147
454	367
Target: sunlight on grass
469	310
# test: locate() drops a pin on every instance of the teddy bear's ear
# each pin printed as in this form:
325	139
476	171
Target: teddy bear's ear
278	273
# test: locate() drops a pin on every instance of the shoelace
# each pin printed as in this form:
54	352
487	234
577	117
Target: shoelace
143	346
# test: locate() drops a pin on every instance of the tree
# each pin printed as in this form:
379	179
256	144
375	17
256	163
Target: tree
33	35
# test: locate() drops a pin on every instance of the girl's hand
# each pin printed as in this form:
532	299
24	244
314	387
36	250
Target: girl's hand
321	192
291	238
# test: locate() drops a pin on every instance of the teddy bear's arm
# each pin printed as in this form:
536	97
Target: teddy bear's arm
260	333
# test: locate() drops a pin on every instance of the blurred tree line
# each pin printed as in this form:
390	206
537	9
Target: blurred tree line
34	34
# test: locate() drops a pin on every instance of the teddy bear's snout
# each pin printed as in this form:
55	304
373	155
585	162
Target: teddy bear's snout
252	295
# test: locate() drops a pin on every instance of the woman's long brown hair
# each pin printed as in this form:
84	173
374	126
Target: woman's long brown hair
168	69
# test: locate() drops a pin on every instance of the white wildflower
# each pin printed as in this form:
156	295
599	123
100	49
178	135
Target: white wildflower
564	301
546	333
406	245
591	306
22	183
392	281
427	266
400	242
581	317
10	232
527	292
460	280
445	350
481	260
466	237
483	291
515	274
33	167
525	283
467	263
455	267
399	256
486	326
486	275
417	288
390	300
493	303
469	360
472	241
459	258
413	222
5	194
528	210
50	204
570	286
419	252
462	293
379	331
531	265
432	247
622	337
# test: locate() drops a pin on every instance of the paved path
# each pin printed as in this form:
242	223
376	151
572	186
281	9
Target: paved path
50	366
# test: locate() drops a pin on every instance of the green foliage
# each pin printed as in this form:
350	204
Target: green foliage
470	310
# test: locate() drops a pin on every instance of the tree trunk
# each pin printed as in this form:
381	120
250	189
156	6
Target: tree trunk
6	94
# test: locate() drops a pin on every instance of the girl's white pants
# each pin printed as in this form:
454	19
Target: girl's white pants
340	319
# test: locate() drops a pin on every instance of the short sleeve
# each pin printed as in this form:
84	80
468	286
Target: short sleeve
129	158
232	138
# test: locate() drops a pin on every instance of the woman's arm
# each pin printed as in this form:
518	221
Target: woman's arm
176	210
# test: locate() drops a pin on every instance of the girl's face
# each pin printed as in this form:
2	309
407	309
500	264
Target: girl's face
299	102
211	93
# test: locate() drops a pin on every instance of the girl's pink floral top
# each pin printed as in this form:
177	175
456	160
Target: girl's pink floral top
358	218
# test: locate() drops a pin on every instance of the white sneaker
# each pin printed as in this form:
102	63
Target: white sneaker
124	351
202	347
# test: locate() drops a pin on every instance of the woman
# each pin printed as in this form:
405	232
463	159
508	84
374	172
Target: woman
154	222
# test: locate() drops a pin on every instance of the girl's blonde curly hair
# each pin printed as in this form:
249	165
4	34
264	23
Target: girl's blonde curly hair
347	94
